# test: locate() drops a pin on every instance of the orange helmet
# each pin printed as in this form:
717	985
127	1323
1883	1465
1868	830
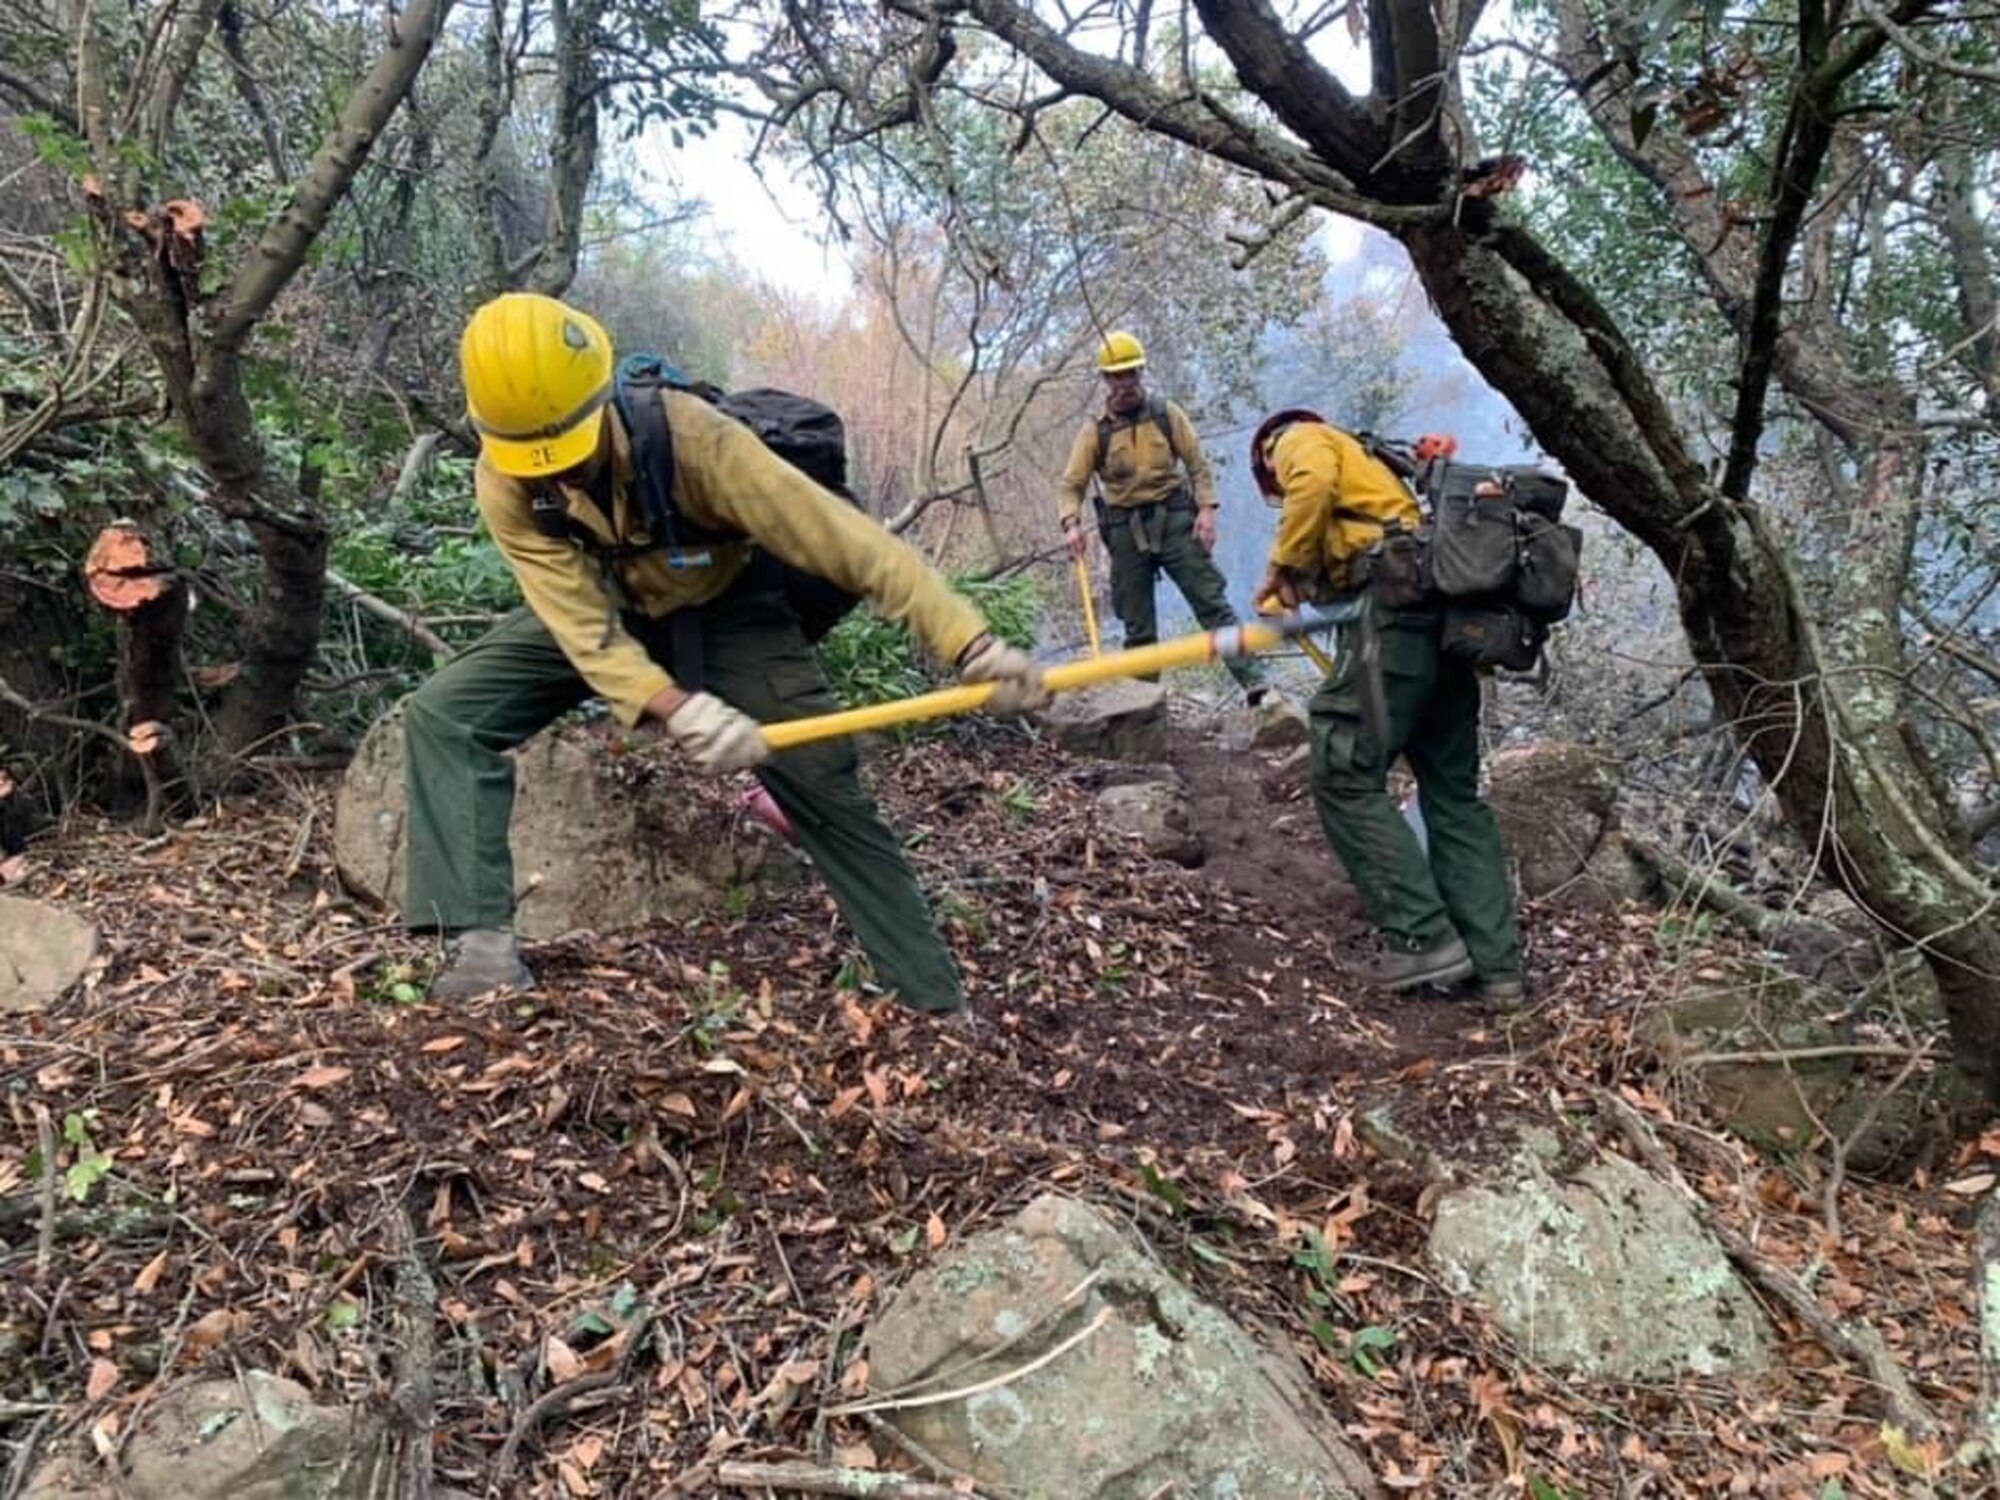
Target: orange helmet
1269	428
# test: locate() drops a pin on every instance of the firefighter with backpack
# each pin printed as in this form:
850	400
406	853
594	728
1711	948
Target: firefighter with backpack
1155	502
1349	523
691	630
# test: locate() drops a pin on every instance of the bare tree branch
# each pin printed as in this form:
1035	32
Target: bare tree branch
282	249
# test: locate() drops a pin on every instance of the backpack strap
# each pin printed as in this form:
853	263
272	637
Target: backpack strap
636	393
1156	409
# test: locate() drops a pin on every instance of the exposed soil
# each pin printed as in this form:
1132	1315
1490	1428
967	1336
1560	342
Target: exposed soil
698	1135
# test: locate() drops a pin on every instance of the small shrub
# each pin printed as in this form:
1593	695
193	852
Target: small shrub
868	660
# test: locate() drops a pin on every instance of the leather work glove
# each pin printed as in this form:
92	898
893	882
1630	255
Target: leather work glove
717	737
1204	528
1077	542
1018	680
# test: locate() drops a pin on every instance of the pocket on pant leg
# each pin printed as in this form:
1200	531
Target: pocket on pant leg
1343	749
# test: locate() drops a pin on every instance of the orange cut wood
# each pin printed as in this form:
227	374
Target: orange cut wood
119	570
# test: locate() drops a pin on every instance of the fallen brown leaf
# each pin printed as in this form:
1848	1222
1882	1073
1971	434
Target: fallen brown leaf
103	1379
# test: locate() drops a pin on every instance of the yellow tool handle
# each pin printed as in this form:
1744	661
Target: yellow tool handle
1089	606
1186	651
1313	654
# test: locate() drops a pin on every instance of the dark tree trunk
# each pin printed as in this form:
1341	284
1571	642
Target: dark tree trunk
129	576
198	339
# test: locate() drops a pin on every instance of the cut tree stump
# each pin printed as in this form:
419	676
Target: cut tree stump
127	576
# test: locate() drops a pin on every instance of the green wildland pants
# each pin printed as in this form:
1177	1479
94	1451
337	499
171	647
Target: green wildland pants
516	681
1433	703
1163	540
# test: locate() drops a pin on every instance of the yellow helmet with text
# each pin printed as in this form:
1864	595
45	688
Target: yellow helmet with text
1121	351
537	376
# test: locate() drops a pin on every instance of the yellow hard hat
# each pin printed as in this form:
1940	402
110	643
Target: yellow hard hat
537	375
1121	351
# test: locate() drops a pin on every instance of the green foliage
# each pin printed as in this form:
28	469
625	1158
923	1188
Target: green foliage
868	660
1367	1343
54	145
89	1165
1019	800
343	1314
1164	1188
425	561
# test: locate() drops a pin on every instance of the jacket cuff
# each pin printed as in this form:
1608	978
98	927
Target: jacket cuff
629	711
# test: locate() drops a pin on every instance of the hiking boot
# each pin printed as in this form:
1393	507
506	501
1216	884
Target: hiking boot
1503	994
1410	963
479	961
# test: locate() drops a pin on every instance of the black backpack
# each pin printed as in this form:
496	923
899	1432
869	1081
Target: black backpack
804	433
1495	554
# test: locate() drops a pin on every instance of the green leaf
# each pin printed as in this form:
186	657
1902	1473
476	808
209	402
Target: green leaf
1544	1489
344	1313
76	1130
905	1242
1208	1253
1369	1342
1162	1187
85	1174
1326	1333
1833	1489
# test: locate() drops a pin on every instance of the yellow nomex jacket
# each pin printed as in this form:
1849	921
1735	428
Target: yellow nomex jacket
1337	499
1139	466
724	480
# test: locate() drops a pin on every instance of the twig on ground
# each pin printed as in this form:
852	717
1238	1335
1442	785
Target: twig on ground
24	1457
1007	1377
1683	882
1836	1175
45	1196
937	1467
566	1395
551	1404
1809	1054
1858	1344
812	1479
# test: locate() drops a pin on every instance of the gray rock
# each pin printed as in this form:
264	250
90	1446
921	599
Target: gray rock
1554	802
261	1438
43	951
601	841
1606	1272
1612	878
1744	1005
1166	1395
1275	724
1119	720
1157	815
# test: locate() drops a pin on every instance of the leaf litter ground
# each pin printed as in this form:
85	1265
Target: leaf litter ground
661	1197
